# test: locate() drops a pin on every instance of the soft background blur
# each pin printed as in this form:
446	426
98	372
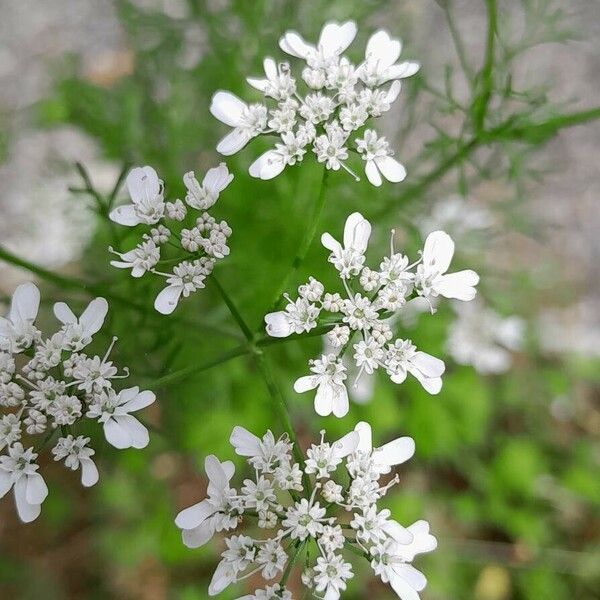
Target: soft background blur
507	465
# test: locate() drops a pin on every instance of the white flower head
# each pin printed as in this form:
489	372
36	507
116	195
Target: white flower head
204	196
78	332
17	330
18	472
432	280
77	454
147	202
323	118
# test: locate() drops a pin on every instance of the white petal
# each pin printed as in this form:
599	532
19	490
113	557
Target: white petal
267	165
422	542
412	576
228	108
125	215
335	38
438	251
217	179
89	472
228	468
373	174
137	432
331	243
391	169
27	512
397	532
341	405
233	142
393	92
278	324
6	482
93	316
303	384
215	473
64	314
324	399
459	285
365	443
403	70
429	365
270	67
25	303
142	184
139	401
383	48
357	232
194	538
433	385
195	515
116	435
166	301
224	575
403	588
395	452
346	445
262	85
399	377
293	43
244	442
36	490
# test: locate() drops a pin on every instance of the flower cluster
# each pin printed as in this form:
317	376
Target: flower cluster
372	299
484	339
204	241
58	385
319	512
331	117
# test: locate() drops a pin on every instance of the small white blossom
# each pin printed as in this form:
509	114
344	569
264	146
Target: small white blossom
77	454
17	330
204	196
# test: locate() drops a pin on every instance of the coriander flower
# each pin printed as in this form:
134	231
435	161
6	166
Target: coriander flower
147	202
121	428
19	472
324	110
76	453
361	338
78	332
203	243
17	330
295	522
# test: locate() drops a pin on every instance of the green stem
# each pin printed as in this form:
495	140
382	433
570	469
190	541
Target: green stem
289	566
234	311
306	241
485	76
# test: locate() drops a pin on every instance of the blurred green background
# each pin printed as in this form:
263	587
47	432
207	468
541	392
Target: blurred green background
502	117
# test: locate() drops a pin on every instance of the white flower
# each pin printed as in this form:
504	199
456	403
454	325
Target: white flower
258	495
432	280
272	557
159	235
141	259
328	378
239	554
338	336
17	331
359	313
390	561
403	357
18	471
121	428
387	456
35	422
176	210
332	492
349	258
334	39
380	55
288	477
200	521
332	538
146	193
331	149
78	332
375	151
298	317
76	453
10	430
7	367
187	277
278	84
368	355
304	519
204	196
263	454
482	338
331	574
248	121
324	458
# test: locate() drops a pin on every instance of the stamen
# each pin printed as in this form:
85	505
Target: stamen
112	345
349	170
392	249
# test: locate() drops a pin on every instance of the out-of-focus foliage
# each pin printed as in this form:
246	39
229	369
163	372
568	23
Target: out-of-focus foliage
506	467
